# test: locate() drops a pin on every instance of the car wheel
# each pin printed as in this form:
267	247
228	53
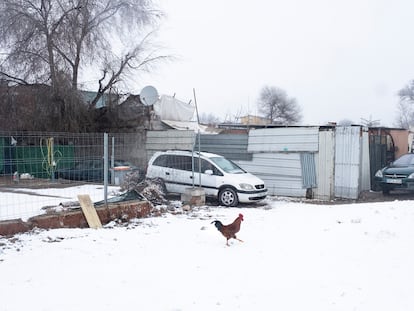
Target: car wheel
385	191
228	197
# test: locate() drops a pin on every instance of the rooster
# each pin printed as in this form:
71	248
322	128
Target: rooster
229	231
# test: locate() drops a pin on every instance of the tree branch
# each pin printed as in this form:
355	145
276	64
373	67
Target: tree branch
13	79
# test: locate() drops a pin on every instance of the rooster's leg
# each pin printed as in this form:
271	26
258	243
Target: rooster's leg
238	239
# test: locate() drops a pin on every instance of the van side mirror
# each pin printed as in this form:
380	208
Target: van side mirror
208	172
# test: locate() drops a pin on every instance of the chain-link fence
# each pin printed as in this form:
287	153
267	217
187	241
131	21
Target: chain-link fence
32	165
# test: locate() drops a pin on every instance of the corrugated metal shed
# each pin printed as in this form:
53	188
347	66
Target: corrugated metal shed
284	158
281	172
289	139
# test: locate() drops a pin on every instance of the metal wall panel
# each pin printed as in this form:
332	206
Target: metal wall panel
169	140
307	161
325	166
231	146
281	172
289	139
365	163
347	162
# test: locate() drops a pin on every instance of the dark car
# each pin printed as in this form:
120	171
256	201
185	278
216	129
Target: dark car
91	170
398	175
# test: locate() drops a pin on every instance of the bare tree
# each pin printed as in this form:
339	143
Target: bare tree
27	33
407	93
44	37
49	41
117	69
405	115
93	27
275	105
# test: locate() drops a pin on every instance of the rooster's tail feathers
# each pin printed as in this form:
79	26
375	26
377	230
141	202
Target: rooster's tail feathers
218	224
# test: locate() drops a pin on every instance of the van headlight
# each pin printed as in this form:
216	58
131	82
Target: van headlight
411	175
246	186
379	174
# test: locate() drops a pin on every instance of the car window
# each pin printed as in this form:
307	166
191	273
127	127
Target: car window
184	162
161	161
180	162
206	165
170	161
227	165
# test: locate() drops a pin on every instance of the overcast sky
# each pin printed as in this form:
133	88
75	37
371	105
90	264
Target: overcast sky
339	59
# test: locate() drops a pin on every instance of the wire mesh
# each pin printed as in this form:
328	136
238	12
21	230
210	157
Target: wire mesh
38	170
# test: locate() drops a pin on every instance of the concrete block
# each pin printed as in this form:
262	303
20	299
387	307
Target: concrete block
194	196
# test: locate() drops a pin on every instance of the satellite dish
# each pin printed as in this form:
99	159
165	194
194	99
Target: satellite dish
148	95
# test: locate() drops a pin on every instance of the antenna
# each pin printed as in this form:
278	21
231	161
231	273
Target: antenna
195	102
149	95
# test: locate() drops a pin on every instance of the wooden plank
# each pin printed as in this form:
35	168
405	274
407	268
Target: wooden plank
89	211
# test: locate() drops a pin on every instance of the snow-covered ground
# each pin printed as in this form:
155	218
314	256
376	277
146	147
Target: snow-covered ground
295	256
24	203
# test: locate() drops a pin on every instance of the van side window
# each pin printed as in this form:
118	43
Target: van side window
187	163
205	165
216	171
179	162
171	162
161	161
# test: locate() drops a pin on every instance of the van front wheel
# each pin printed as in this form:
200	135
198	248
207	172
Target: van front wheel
228	197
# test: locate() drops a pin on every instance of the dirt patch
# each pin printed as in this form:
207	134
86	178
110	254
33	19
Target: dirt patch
377	196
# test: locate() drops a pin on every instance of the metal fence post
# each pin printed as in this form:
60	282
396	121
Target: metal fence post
106	167
113	160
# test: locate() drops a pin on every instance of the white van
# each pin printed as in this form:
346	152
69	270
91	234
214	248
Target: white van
220	178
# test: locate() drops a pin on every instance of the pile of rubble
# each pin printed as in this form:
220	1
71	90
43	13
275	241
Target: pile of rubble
152	189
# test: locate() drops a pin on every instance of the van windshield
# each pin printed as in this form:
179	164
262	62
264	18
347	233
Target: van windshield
227	165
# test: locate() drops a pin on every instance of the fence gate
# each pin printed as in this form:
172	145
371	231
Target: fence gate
379	156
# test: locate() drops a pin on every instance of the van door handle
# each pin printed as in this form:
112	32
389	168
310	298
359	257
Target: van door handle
167	173
191	177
